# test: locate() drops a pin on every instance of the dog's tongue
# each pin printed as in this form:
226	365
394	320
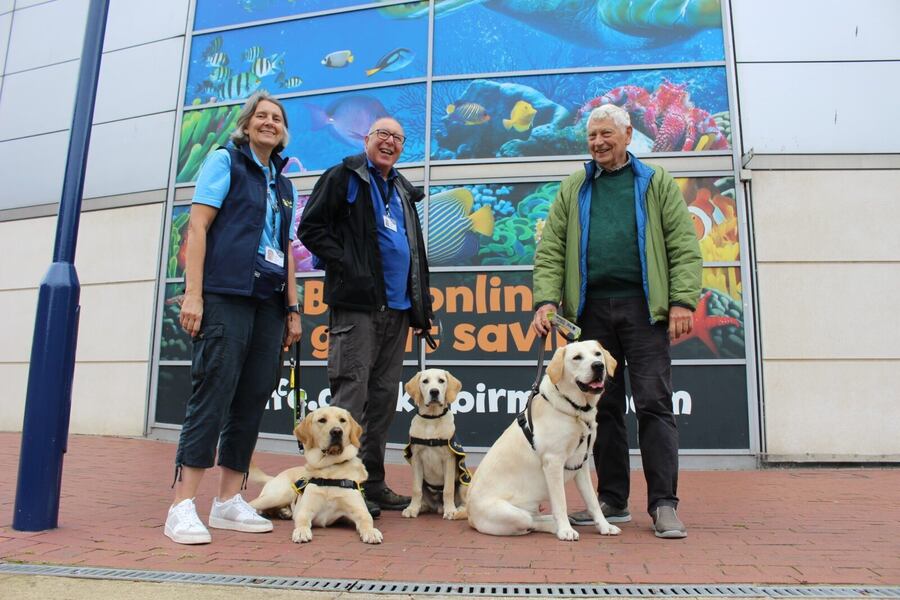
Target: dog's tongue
596	385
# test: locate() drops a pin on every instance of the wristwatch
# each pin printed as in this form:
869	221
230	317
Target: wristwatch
294	308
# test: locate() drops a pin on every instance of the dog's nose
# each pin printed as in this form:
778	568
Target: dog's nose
598	367
337	432
434	392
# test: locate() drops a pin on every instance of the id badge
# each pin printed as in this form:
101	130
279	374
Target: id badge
276	257
390	223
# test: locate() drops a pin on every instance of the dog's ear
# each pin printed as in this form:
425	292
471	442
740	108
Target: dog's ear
303	432
413	389
555	368
453	387
356	432
611	363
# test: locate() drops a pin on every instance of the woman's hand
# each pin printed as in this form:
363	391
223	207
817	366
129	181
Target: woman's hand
292	330
191	314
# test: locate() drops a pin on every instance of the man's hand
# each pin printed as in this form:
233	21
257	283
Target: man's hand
191	314
292	330
540	323
681	322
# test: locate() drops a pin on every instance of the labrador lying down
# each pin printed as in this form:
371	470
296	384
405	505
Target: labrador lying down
326	488
517	475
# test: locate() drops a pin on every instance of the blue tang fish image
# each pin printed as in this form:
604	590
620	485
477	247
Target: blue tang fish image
453	228
392	61
349	117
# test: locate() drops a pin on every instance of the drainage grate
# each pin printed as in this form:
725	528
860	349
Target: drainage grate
461	589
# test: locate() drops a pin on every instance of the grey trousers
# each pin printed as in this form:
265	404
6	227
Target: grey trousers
365	363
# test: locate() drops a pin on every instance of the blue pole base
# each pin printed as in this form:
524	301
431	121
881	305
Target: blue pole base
45	429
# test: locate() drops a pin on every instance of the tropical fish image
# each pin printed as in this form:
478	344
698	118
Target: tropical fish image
393	61
220	74
467	113
521	117
264	66
239	86
339	59
288	83
453	228
214	46
349	117
252	53
217	59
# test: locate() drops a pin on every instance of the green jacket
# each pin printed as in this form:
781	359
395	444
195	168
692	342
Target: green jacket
671	263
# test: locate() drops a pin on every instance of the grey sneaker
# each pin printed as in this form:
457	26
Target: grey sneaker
237	515
613	515
666	523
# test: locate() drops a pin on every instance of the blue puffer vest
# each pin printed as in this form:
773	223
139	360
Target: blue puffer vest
233	238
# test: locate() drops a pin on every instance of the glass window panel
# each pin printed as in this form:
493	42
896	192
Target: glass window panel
475	37
175	343
711	202
671	110
178	241
354	48
219	13
719	319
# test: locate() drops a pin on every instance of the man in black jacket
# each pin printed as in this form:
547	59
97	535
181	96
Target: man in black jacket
361	224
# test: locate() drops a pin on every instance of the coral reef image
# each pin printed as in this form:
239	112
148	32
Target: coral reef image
178	241
486	224
202	131
672	110
718	328
304	55
711	203
522	35
303	258
175	344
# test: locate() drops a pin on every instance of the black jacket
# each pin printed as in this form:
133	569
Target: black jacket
343	236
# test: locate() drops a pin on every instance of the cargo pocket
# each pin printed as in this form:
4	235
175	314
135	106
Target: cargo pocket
208	351
343	355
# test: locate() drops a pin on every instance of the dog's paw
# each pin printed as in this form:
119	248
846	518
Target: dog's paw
302	535
567	534
450	512
410	512
371	536
285	513
608	529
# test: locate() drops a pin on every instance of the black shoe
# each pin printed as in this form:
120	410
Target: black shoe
386	498
374	509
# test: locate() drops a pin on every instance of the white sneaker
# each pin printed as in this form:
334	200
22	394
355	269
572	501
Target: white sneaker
236	514
183	526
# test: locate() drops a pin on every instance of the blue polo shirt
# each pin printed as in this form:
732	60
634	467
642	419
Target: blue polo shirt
212	187
393	243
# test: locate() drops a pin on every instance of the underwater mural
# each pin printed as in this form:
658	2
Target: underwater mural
672	110
178	234
711	203
307	54
324	129
219	13
718	320
526	35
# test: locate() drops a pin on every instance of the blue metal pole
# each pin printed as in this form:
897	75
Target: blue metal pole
47	406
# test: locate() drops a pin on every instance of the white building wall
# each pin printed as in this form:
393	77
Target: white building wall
128	168
814	80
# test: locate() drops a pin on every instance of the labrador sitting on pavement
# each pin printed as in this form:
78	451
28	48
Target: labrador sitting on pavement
327	487
440	479
537	454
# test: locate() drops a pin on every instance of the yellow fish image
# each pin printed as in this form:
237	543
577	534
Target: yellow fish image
521	117
467	113
453	229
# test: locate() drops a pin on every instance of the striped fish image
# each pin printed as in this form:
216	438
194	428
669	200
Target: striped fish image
453	228
252	53
264	66
220	74
214	46
287	83
239	86
217	59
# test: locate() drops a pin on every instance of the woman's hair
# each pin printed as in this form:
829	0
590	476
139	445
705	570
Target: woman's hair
619	115
238	136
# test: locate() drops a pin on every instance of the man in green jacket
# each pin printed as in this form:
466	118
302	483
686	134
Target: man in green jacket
619	255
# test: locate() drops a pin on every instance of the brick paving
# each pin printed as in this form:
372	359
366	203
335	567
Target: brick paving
775	526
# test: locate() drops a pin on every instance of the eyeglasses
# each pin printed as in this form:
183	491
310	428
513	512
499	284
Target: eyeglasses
384	134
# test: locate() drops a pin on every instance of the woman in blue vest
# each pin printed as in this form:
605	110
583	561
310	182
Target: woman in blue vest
240	308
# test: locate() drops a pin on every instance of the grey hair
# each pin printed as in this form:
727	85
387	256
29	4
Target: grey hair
239	137
618	115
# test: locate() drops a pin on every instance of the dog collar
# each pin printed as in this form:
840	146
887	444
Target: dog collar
424	442
584	408
347	484
446	410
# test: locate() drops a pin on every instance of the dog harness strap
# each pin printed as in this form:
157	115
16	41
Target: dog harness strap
526	428
583	460
446	410
424	442
347	484
584	408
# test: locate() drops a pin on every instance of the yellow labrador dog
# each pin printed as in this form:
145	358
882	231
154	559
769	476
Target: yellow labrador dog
536	455
440	479
327	487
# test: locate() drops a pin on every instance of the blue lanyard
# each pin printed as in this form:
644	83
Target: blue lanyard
386	200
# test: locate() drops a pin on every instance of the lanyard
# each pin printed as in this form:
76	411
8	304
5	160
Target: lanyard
390	192
270	184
